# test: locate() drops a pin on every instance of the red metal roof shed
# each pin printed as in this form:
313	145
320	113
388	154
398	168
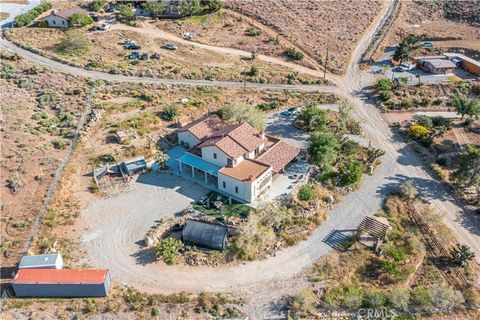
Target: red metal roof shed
61	276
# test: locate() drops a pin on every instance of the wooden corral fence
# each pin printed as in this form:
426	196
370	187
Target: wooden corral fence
452	273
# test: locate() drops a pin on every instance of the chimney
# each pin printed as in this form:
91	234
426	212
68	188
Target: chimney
262	134
54	12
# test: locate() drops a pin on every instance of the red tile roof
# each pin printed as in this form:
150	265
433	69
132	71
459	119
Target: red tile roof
204	127
279	155
60	276
234	140
245	170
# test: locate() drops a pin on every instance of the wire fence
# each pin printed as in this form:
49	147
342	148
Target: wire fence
58	173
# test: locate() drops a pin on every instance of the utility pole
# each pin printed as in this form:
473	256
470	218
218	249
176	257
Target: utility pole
326	63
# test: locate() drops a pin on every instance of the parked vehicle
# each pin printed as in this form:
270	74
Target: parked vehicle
155	56
110	7
293	110
134	55
426	44
407	66
94	16
286	113
169	46
144	56
104	26
133	46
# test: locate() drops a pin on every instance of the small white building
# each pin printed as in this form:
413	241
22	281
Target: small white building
42	261
236	160
59	18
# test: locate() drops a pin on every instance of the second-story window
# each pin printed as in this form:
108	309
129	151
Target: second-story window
214	155
236	189
224	185
230	162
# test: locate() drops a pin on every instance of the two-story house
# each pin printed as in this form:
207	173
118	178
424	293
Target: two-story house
236	160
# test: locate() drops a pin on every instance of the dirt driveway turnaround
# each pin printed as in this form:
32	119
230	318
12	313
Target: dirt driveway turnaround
117	225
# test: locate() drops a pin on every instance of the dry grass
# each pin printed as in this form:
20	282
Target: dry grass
104	53
4	15
15	1
27	136
314	25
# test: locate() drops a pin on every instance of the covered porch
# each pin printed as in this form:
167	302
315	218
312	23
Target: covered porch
198	170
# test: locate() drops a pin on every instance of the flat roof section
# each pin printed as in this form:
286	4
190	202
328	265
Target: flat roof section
65	276
246	170
199	163
40	260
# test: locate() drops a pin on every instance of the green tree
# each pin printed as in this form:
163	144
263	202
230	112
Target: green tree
461	255
97	5
80	20
168	248
384	85
313	118
425	121
212	5
74	43
126	11
169	113
465	106
161	158
155	9
351	173
244	113
190	7
323	150
409	43
468	173
306	193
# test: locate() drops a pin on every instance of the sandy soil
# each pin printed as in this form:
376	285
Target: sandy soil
188	61
320	26
27	152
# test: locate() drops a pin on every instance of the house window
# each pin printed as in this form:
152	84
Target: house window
230	162
54	22
63	22
224	184
245	155
236	189
214	155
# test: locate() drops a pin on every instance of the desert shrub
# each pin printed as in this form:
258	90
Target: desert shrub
169	113
407	104
168	249
418	132
42	24
306	193
74	43
60	144
302	302
396	253
25	19
253	32
446	298
374	299
253	72
421	296
425	121
351	173
267	106
399	298
46	99
294	54
352	297
244	113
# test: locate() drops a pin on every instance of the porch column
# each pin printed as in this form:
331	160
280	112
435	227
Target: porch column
193	172
206	177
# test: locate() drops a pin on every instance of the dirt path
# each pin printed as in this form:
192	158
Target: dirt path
152	31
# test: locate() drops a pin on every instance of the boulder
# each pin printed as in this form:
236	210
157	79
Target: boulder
330	199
